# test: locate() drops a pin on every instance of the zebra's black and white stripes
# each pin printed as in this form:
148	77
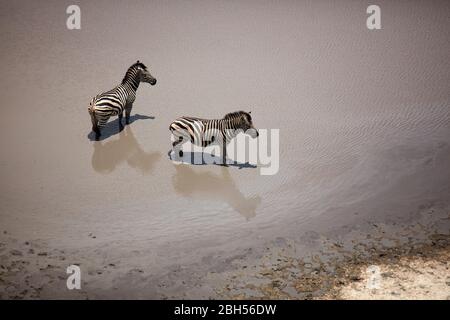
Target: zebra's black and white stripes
203	132
119	99
200	132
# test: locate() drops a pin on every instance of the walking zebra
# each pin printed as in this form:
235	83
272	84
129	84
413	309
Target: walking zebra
115	101
203	132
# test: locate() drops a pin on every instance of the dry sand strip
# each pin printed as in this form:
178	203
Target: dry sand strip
404	272
423	274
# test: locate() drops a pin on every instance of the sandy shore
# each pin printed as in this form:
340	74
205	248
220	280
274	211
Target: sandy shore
339	267
422	273
405	267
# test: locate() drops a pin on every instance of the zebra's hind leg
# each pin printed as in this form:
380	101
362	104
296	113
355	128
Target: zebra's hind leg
175	143
95	127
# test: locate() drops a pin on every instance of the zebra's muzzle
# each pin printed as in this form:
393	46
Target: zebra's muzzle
253	133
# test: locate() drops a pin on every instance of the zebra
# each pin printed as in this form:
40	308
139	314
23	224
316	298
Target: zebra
115	101
203	132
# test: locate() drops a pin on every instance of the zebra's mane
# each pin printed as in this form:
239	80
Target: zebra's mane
234	114
131	68
139	64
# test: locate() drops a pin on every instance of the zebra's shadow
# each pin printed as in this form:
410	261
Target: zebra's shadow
112	128
202	158
194	183
108	155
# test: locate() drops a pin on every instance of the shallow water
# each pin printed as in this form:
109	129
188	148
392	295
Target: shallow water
364	119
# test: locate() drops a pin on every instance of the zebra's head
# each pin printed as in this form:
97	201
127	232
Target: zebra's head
143	73
247	125
243	120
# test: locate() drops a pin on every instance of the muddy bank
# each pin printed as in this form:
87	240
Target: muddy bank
412	257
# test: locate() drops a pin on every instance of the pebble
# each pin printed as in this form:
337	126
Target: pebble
387	274
15	252
276	283
355	278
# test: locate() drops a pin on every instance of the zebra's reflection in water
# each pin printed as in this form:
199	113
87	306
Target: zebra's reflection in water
210	186
108	155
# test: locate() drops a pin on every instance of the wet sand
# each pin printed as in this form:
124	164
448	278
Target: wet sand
364	119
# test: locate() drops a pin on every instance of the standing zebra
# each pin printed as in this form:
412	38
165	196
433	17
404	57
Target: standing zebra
203	132
115	101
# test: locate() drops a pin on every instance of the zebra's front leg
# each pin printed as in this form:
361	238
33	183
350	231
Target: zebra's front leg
127	113
224	152
120	121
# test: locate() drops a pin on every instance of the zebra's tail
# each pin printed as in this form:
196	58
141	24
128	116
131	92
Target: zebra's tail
91	109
